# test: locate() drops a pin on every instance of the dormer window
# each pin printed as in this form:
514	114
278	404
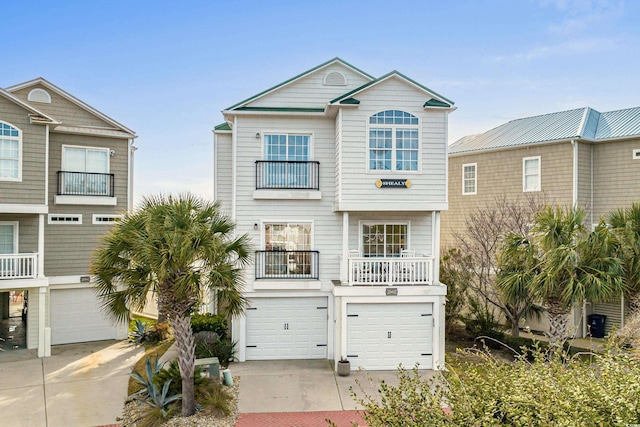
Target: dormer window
39	95
393	141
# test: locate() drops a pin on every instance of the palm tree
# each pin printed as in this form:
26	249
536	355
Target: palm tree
625	224
176	247
563	264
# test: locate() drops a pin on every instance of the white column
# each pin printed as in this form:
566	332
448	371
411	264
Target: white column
344	265
44	345
41	245
436	246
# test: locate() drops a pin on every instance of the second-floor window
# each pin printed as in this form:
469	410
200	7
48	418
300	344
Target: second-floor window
287	157
10	141
531	174
86	171
288	247
469	178
8	243
393	141
384	239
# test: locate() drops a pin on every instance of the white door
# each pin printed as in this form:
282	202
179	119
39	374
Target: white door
382	336
76	316
287	328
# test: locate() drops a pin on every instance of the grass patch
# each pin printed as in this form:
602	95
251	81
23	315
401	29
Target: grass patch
151	350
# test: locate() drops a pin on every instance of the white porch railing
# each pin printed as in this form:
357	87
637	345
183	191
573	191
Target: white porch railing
18	266
390	271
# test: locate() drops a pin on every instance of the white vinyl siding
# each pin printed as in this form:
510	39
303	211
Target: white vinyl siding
10	153
531	175
469	179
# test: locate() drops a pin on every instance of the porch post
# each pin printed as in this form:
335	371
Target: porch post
42	342
436	247
344	265
41	245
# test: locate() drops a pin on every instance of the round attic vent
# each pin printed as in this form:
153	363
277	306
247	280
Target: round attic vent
335	78
39	95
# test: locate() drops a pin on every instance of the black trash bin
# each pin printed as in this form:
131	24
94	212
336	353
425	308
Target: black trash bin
596	325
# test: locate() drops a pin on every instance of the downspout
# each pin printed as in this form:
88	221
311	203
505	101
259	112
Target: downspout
130	154
234	158
574	205
46	167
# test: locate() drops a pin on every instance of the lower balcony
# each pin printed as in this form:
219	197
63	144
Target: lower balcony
18	266
390	271
85	188
280	264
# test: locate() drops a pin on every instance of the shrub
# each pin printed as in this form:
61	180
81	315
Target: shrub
554	389
209	322
215	400
172	373
159	332
210	344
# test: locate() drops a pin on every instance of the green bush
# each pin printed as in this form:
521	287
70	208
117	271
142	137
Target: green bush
210	344
172	373
209	322
553	389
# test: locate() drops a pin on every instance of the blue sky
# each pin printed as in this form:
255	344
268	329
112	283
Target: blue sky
166	69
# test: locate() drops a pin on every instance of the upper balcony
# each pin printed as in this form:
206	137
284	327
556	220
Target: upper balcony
280	264
85	188
274	177
390	271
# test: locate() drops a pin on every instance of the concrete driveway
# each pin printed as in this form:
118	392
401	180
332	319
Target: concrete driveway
302	386
79	385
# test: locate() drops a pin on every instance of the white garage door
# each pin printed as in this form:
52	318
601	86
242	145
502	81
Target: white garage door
381	336
287	328
76	317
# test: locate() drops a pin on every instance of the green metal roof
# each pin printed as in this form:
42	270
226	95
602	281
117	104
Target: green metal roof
350	101
336	59
436	103
222	126
378	80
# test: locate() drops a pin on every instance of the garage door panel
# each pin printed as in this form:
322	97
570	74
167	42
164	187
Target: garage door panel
382	336
76	316
287	328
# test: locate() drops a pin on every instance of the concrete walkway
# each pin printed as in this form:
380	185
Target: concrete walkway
79	385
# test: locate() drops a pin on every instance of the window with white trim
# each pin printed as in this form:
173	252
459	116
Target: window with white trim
469	178
8	237
65	219
531	174
287	156
85	171
287	249
106	219
384	239
393	141
10	153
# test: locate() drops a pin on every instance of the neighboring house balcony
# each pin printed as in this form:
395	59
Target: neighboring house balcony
281	264
274	177
85	188
393	271
18	269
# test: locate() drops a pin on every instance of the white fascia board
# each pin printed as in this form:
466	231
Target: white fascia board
231	113
72	99
24	283
86	200
93	131
357	206
26	209
287	195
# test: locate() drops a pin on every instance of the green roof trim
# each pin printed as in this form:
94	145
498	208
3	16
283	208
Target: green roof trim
378	80
436	103
350	101
222	126
283	109
324	64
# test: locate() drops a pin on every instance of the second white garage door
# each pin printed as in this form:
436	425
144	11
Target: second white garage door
76	317
287	328
381	336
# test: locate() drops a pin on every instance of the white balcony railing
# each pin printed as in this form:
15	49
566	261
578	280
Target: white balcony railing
390	271
18	266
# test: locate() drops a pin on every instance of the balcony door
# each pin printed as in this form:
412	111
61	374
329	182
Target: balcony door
86	171
8	245
289	155
384	240
290	244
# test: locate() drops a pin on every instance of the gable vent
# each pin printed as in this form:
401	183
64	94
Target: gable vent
335	78
39	95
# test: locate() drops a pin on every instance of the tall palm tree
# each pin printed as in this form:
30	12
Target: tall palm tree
625	224
563	264
176	247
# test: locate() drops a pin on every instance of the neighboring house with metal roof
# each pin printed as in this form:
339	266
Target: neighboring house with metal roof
339	178
578	157
65	177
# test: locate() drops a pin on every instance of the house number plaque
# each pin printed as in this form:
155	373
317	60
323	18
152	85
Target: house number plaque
391	291
393	183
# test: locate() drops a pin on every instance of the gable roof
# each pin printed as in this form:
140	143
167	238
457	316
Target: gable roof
72	99
35	113
581	123
295	78
439	98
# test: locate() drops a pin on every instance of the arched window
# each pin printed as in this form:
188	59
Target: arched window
10	148
393	141
39	95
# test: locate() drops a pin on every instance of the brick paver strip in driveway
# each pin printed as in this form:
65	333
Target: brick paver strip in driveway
299	419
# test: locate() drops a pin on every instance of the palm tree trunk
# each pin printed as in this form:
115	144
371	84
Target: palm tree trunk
558	322
186	361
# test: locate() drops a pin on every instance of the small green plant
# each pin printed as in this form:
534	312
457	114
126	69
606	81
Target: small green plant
210	344
152	368
162	404
209	322
172	373
139	332
215	400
